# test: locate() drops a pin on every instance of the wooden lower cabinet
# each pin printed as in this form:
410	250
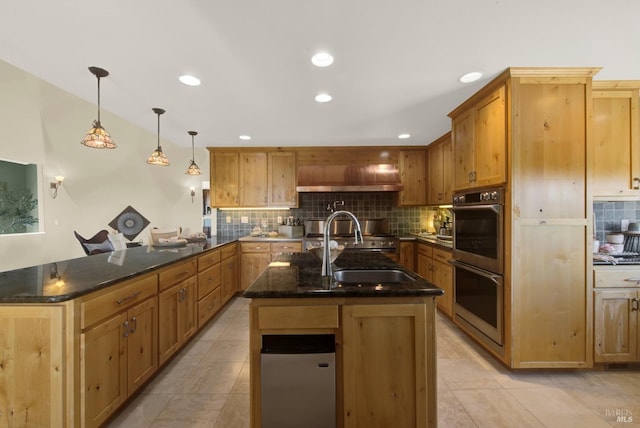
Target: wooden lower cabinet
228	273
177	317
118	355
385	355
616	321
424	264
442	277
387	373
255	256
33	366
407	254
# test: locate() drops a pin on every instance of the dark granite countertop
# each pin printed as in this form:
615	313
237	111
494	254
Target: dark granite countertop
68	279
299	275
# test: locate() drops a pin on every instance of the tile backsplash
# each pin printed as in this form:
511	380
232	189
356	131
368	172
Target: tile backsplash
609	214
365	205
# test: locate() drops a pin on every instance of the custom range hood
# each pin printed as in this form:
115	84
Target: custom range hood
349	178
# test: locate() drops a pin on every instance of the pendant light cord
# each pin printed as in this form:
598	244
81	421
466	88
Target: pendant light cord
98	99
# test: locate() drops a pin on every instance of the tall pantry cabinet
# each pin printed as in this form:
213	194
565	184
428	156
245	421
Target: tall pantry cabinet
546	123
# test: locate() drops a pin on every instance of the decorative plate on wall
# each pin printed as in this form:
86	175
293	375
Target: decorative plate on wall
129	222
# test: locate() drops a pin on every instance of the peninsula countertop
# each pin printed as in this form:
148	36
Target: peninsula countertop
68	279
299	275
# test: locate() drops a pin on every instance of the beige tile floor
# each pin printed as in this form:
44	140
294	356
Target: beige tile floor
207	385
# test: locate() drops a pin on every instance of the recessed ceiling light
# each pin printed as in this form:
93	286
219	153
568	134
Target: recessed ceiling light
245	137
189	80
470	77
404	136
323	98
322	59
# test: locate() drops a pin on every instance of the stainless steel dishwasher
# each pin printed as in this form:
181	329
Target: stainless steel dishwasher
298	381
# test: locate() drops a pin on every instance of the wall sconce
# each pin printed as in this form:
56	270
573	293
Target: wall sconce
193	193
56	185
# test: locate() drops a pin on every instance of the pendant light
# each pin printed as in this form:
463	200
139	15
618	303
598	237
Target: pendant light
193	167
98	137
157	157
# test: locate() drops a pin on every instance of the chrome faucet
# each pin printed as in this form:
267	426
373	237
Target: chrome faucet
326	251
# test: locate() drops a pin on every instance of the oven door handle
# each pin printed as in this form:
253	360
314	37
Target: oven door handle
483	273
494	208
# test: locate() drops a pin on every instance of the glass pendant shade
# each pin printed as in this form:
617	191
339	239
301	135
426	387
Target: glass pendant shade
193	167
98	137
158	157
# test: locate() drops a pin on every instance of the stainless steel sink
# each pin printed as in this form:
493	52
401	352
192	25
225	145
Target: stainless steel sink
371	276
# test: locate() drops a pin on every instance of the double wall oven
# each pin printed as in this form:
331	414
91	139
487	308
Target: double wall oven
478	261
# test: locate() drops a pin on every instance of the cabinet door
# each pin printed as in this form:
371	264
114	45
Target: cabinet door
462	135
616	143
282	179
616	326
447	171
387	335
425	262
490	140
103	372
436	175
33	369
142	351
253	264
168	333
225	179
407	254
187	316
551	169
443	278
229	278
413	175
253	179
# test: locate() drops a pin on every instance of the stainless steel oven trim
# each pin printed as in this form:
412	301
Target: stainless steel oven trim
496	265
496	334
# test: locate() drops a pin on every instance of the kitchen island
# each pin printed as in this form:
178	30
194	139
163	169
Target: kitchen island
385	359
79	337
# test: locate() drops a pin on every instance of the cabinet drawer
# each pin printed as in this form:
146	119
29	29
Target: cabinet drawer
112	302
616	277
274	317
441	255
209	259
286	247
228	251
425	250
208	307
176	273
208	280
255	247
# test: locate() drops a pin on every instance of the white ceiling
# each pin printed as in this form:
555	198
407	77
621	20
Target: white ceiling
396	61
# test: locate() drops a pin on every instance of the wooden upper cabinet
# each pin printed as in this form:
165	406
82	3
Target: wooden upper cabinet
253	179
616	139
440	170
225	179
479	142
413	176
282	179
552	123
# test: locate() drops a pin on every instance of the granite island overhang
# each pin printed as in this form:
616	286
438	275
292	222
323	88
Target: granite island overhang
385	347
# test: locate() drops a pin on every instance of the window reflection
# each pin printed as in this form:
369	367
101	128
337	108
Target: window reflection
18	198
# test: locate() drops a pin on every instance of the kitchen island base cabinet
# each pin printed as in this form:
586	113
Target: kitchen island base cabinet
32	371
385	355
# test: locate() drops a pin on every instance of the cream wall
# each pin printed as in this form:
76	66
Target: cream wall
42	124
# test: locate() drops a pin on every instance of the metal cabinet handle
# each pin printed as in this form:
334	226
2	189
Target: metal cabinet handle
181	274
129	297
636	280
134	324
126	328
634	304
636	183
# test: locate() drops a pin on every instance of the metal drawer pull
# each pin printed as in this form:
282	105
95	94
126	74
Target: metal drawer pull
126	329
634	304
632	279
130	297
134	324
